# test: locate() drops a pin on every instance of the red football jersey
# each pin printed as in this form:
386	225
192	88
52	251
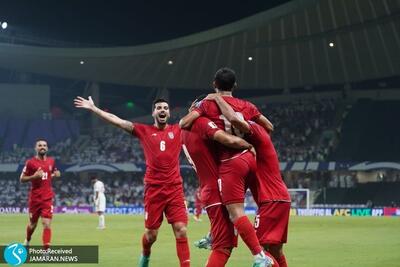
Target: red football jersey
243	108
271	185
200	151
161	149
41	189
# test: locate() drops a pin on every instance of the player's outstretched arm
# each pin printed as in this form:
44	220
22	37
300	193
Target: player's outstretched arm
88	104
26	178
231	141
187	121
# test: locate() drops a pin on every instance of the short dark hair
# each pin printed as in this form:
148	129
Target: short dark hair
159	100
40	139
225	79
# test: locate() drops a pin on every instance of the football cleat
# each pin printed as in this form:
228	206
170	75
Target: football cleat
205	242
144	261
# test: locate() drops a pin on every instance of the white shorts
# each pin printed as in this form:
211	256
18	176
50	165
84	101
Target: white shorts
100	204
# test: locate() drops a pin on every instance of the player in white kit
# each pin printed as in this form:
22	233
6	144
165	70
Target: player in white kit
99	201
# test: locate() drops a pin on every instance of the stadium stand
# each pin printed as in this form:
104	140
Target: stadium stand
370	194
72	190
368	130
299	127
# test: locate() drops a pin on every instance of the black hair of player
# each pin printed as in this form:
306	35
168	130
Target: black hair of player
40	139
225	79
159	100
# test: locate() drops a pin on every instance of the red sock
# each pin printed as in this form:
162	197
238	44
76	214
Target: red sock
46	237
282	261
29	232
146	246
248	235
218	258
182	249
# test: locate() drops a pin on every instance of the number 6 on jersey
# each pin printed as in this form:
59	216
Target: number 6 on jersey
162	145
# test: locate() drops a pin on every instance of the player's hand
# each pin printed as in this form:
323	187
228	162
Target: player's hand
81	102
56	173
39	173
192	106
212	96
253	151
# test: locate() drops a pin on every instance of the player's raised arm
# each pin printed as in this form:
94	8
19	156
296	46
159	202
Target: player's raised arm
88	104
187	121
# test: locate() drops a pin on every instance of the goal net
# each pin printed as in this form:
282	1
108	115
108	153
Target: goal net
300	197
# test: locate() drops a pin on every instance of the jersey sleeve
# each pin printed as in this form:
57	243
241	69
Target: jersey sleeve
205	128
138	130
28	169
201	107
253	112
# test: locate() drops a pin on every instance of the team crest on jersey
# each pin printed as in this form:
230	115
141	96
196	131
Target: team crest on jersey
171	135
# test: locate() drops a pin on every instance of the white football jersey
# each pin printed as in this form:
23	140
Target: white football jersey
98	187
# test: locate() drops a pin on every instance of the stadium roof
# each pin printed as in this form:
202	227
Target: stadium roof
301	43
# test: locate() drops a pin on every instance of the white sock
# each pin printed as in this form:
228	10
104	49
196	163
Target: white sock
101	221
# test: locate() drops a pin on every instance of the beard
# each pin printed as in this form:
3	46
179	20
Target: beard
42	153
162	121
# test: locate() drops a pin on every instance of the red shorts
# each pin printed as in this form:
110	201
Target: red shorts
168	200
42	209
223	233
234	177
272	222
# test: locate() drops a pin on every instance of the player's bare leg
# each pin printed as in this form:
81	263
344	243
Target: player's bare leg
276	251
148	239
246	231
182	245
46	236
30	228
197	213
102	222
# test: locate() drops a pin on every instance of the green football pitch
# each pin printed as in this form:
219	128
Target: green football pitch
313	241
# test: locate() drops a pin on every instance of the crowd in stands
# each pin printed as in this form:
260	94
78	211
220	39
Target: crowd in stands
299	128
72	190
21	154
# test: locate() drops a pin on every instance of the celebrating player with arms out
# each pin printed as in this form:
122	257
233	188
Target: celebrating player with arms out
161	143
270	191
40	170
